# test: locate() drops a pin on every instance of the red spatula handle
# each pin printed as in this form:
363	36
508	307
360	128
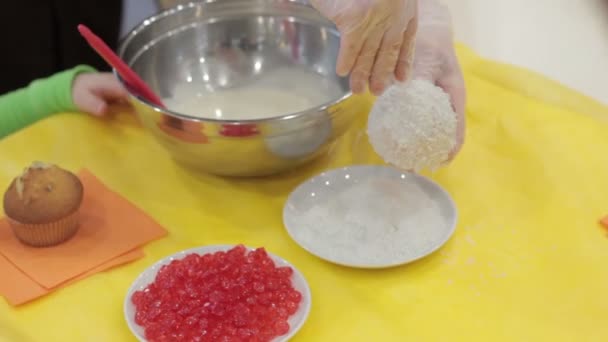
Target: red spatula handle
132	79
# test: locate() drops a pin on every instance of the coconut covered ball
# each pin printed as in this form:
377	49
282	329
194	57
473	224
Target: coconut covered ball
413	126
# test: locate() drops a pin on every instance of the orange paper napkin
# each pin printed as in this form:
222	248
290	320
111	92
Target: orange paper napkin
17	288
110	226
604	222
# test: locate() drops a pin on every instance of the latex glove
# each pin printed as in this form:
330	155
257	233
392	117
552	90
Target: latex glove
435	59
94	92
377	39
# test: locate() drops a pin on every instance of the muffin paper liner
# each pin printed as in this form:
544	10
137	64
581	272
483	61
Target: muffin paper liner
46	234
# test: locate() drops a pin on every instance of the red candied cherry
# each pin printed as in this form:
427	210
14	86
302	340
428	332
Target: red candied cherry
282	313
265	298
259	254
153	331
203	323
257	275
272	284
237	251
219	256
248	269
230	331
191	259
291	307
240	320
267	263
241	280
280	296
295	296
169	319
194	337
258	287
244	333
258	310
281	328
141	317
191	321
250	259
218	310
285	272
137	298
153	314
216	296
226	283
267	333
206	259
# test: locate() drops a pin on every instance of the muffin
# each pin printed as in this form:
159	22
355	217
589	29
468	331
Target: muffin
42	205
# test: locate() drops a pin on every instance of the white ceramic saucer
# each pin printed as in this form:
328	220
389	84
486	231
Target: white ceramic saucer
438	219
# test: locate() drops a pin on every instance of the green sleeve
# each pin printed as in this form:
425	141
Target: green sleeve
40	99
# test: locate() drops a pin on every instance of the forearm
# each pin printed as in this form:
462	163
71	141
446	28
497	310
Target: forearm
40	99
16	112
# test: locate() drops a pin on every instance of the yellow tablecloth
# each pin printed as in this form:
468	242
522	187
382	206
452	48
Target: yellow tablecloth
528	261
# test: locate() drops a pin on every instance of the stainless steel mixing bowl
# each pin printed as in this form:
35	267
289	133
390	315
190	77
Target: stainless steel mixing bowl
225	44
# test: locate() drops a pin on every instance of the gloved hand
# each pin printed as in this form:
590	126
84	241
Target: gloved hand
435	59
377	40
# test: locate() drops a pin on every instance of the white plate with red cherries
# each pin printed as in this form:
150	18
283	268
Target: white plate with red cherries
218	293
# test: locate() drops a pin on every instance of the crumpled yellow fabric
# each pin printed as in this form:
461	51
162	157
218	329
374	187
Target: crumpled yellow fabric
528	261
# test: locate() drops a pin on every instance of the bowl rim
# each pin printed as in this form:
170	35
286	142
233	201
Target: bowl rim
324	107
305	305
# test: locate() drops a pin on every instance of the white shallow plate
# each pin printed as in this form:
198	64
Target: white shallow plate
321	188
296	321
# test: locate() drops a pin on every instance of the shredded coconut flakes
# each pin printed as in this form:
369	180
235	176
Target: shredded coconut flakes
374	223
413	126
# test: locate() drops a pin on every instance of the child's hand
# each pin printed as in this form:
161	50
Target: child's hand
94	92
